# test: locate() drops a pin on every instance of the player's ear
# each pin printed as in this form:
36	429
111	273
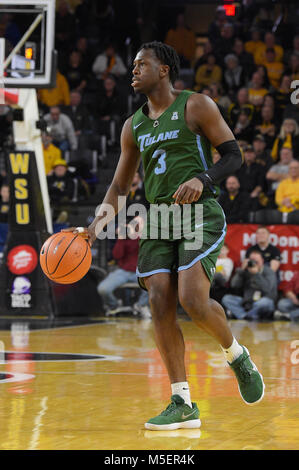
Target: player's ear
164	70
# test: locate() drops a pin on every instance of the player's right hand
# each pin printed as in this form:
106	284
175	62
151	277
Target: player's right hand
84	232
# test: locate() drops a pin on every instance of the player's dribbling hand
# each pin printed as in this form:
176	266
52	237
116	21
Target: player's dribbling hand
188	192
84	232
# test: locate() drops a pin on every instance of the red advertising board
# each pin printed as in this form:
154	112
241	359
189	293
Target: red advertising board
286	237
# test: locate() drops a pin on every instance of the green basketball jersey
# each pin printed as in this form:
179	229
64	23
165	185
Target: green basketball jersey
171	152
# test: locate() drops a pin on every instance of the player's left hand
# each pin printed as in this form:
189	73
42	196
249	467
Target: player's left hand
188	192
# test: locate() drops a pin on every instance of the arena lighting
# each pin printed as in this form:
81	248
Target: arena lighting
230	10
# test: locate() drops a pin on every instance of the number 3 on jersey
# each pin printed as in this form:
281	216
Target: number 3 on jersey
161	167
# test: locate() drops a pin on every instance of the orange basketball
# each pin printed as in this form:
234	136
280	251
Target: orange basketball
65	257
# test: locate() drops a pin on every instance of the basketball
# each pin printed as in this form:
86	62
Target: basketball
65	257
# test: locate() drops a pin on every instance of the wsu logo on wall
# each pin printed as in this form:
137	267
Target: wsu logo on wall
22	259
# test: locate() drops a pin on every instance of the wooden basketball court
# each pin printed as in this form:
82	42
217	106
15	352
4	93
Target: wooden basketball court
92	386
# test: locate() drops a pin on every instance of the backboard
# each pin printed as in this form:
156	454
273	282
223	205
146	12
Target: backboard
27	56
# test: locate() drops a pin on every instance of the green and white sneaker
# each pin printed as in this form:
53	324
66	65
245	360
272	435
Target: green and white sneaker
177	415
250	381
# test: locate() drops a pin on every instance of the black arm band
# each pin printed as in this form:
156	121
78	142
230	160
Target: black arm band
230	161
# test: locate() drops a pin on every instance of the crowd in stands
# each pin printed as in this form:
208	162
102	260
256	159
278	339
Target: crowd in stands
247	64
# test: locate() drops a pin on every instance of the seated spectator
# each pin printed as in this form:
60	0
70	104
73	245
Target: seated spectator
293	66
287	193
254	42
258	284
269	43
288	137
110	106
263	157
289	305
183	40
245	58
262	70
224	269
224	45
137	192
208	73
256	91
282	94
61	129
84	50
242	102
4	203
279	171
60	95
65	26
75	73
107	63
251	177
267	125
235	203
78	113
243	128
61	188
51	153
269	252
274	68
234	75
215	27
207	50
125	253
217	94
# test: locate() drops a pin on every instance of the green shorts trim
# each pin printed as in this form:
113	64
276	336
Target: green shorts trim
162	255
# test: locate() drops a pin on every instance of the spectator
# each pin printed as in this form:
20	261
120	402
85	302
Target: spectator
86	57
78	113
65	26
107	63
60	95
179	85
263	157
183	40
269	43
243	128
291	111
267	125
269	252
251	177
207	50
224	269
4	203
293	66
287	193
234	76
51	153
289	305
216	26
256	91
234	203
242	102
125	253
225	44
75	73
245	59
137	192
254	42
208	73
61	129
258	284
280	170
287	137
61	187
217	94
274	68
282	94
262	70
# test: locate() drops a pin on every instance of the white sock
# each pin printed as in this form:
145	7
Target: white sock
233	352
182	389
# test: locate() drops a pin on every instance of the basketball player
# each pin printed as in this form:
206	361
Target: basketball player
173	133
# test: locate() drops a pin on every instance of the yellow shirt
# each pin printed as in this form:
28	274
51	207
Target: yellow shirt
275	71
255	95
56	96
203	78
183	41
287	188
51	154
252	46
260	54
